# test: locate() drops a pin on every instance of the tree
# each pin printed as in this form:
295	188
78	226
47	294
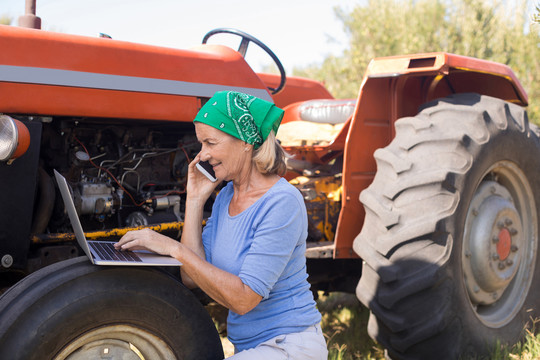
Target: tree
5	20
494	30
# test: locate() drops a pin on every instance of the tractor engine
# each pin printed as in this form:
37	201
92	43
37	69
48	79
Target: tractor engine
120	176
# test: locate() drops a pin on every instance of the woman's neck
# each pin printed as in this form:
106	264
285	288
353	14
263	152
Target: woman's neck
253	181
250	189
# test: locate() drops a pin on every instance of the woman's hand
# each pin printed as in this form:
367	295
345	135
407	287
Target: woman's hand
198	186
147	239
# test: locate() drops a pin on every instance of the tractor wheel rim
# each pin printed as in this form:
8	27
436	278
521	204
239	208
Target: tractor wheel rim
499	244
116	342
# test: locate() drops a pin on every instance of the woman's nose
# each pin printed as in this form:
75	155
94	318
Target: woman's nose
203	155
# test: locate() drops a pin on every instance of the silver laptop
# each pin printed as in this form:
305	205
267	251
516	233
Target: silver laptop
103	252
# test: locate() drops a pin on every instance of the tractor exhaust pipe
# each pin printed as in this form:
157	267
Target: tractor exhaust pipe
29	19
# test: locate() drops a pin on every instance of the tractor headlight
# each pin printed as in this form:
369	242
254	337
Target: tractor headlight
14	138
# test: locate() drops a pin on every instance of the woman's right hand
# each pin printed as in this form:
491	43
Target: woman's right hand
198	186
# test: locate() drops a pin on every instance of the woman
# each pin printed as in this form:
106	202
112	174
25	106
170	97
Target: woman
250	255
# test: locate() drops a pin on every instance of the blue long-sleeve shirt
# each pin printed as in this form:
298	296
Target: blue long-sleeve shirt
265	246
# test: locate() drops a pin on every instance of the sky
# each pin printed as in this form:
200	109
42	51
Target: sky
299	32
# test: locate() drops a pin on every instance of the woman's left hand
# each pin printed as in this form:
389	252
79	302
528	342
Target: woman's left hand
147	239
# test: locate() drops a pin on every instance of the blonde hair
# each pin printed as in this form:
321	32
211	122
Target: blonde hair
269	158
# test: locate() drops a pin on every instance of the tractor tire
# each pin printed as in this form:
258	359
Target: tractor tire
75	310
450	237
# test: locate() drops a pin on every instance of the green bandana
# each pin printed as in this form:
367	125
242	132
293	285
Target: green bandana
243	116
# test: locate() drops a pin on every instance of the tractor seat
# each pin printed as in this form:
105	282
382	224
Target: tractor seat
314	122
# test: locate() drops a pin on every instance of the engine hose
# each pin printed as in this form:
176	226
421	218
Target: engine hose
45	203
107	234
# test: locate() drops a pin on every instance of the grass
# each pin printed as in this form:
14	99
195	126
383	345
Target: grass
529	349
345	328
344	323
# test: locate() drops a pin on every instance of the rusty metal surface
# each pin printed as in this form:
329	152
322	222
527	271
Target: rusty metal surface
322	196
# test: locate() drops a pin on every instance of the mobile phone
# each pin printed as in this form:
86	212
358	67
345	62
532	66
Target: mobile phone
207	170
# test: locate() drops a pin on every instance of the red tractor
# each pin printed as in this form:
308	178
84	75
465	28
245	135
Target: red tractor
436	211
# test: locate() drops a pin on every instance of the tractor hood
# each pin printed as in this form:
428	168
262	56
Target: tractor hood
47	73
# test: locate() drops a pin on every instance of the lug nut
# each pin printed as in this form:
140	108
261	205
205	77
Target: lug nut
495	256
508	222
509	262
475	212
513	231
501	266
495	239
500	224
514	248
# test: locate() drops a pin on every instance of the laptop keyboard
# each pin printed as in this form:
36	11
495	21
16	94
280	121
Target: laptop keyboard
107	251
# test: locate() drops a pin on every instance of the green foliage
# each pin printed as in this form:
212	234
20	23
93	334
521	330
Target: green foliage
494	30
344	324
5	20
529	349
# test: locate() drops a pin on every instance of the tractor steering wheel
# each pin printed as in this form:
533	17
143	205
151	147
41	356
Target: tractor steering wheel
242	49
